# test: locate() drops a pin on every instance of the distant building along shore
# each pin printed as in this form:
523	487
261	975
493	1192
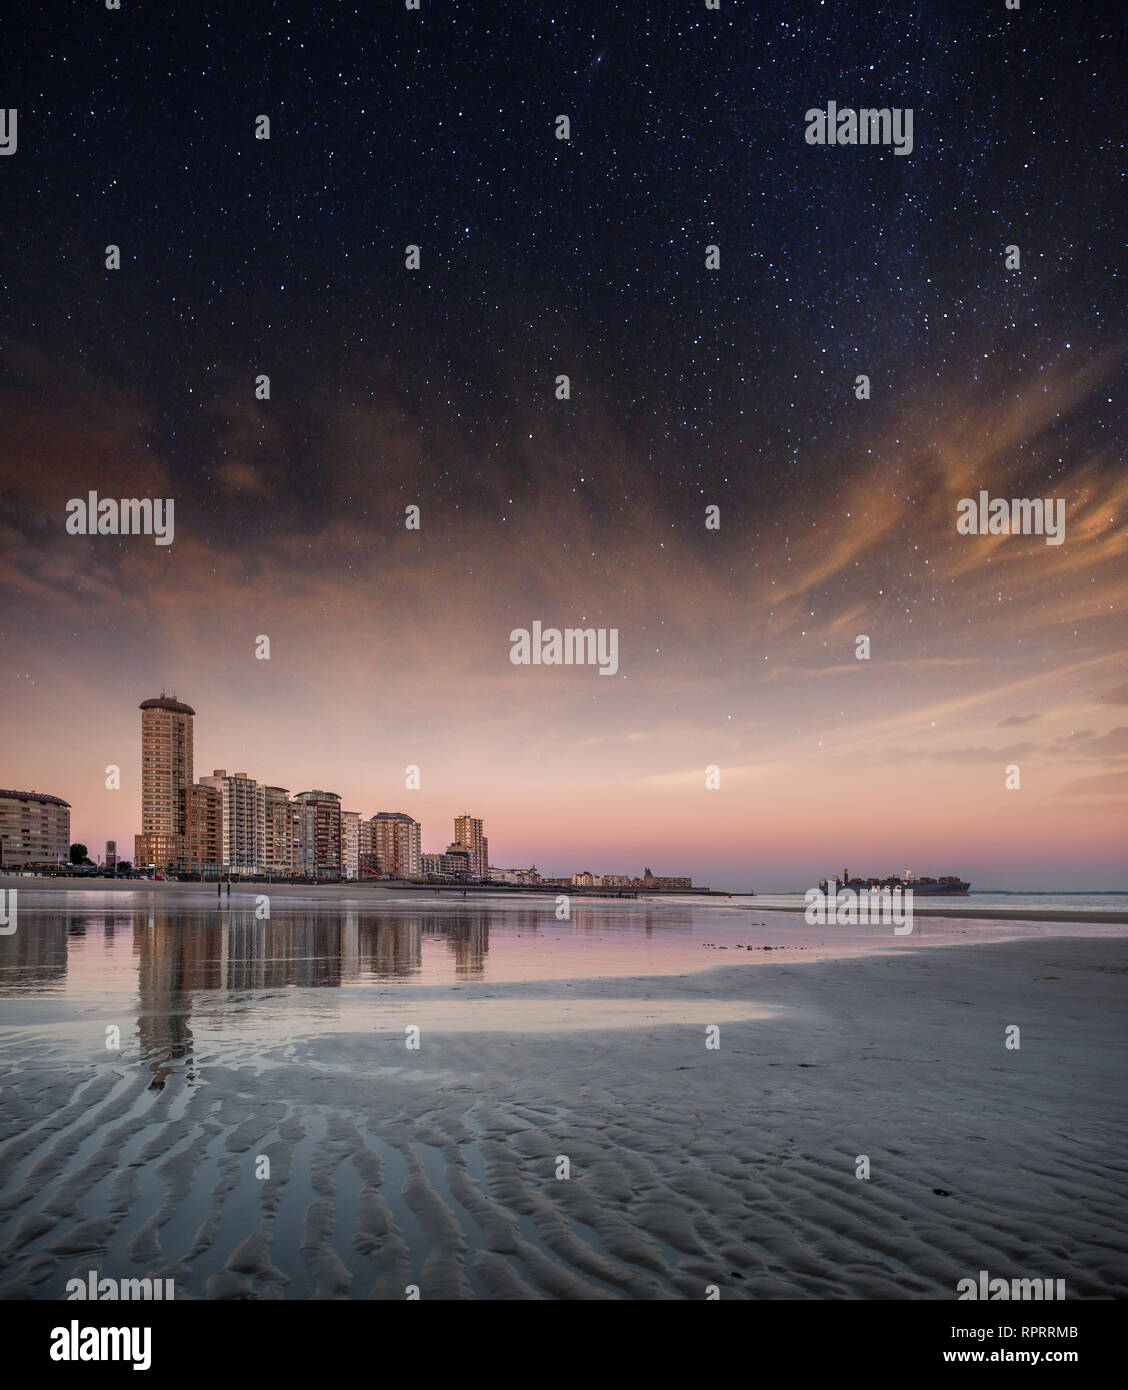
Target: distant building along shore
34	829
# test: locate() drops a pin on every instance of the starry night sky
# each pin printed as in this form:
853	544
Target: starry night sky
585	257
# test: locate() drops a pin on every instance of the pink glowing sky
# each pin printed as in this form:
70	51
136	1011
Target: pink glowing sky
736	649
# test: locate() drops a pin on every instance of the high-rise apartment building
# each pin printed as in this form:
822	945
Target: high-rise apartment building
166	773
317	834
244	821
468	832
111	854
364	854
34	829
204	829
350	844
278	821
396	844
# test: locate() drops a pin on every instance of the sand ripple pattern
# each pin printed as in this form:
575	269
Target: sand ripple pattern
690	1168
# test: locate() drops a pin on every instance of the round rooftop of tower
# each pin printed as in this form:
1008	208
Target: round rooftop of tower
165	703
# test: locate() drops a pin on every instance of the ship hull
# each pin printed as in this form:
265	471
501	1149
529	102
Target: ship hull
951	887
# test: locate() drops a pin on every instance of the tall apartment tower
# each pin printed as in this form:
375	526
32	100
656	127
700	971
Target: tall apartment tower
410	848
468	832
396	844
244	820
204	829
111	854
350	844
317	834
278	851
166	774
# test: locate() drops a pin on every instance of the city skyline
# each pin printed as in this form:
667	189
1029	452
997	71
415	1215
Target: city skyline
551	858
235	825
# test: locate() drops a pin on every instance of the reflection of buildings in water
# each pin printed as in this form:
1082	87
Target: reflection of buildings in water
350	945
317	958
246	951
110	921
528	920
390	945
177	957
322	948
468	936
590	919
328	948
300	948
34	957
672	919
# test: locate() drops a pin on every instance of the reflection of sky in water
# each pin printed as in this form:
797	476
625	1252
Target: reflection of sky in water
186	947
184	983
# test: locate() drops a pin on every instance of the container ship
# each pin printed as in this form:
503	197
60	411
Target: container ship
948	886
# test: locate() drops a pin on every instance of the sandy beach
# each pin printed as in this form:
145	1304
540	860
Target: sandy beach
689	1166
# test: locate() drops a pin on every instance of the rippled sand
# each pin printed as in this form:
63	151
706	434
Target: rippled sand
690	1167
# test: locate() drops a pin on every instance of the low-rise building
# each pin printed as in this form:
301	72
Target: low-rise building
454	863
515	876
650	880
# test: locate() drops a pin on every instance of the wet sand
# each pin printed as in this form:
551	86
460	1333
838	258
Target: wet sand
689	1166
